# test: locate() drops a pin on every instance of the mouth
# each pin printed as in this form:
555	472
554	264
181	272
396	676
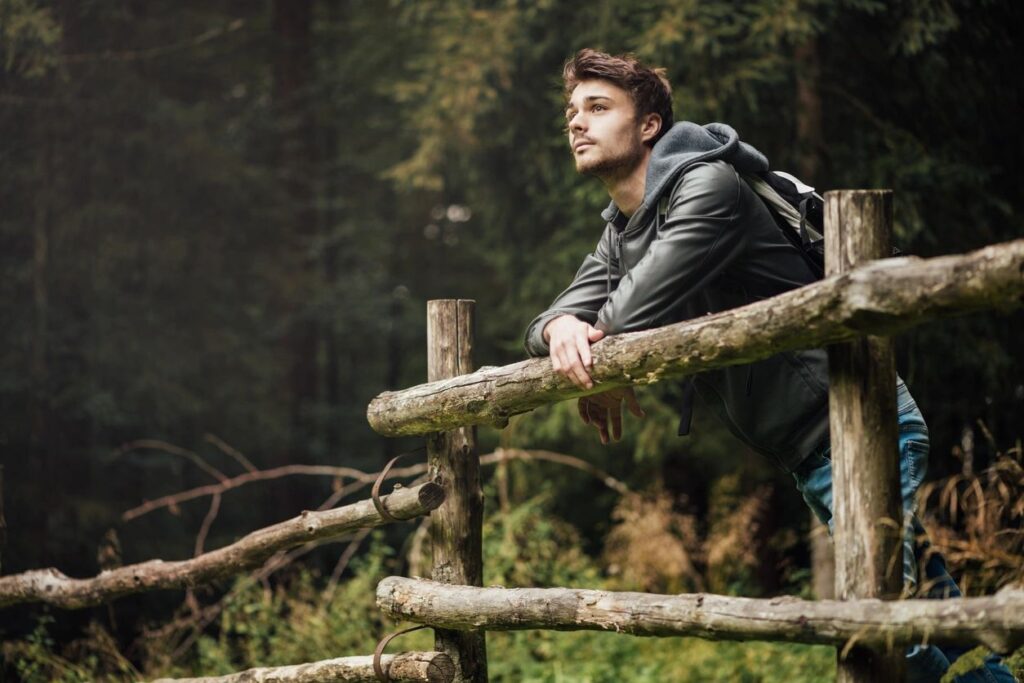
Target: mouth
580	145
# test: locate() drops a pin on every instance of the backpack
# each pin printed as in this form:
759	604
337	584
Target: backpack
799	212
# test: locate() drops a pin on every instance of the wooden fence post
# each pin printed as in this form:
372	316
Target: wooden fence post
862	406
456	526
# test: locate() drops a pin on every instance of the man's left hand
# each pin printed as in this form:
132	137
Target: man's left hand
604	410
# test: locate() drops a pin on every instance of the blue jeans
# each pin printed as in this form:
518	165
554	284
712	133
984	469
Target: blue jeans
814	481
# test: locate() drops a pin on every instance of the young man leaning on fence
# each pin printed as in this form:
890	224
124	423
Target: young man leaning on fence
686	236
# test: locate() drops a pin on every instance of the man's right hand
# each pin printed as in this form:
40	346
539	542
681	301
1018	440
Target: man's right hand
569	340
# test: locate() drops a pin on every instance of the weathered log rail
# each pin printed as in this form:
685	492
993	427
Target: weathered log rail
52	587
408	667
881	298
996	622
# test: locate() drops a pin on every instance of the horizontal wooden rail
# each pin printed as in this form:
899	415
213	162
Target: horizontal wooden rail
883	297
996	622
412	667
52	587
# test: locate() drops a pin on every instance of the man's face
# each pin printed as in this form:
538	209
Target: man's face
605	134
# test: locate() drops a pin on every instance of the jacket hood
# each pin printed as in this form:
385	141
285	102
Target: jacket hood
684	145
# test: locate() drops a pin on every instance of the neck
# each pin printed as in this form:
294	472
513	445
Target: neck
627	188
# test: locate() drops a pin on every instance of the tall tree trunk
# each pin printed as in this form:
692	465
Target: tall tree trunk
810	143
331	216
809	134
40	300
295	125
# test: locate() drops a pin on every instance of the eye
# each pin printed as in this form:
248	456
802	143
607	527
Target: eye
598	107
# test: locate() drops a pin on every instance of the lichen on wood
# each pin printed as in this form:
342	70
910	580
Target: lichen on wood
997	622
407	667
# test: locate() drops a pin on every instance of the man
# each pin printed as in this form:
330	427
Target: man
686	236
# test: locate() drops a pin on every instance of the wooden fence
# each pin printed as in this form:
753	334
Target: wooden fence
849	311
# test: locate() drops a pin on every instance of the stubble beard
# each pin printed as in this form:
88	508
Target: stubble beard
611	166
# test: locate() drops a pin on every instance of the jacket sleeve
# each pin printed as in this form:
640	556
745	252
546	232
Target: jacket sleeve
698	239
583	298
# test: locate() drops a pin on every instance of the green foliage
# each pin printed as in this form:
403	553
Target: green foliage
29	38
95	657
587	657
528	546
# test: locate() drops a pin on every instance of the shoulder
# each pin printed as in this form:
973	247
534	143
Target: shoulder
715	181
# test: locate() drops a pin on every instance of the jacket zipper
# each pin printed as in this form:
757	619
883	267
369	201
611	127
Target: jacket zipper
618	251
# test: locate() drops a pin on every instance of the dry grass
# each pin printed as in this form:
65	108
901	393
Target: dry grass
975	521
652	547
655	548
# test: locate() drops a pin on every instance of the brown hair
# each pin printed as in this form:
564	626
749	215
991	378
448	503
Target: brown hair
648	87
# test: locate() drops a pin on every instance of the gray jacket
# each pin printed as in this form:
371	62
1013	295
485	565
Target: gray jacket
703	242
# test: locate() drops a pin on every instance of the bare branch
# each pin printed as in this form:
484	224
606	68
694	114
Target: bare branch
343	561
360	478
52	587
207	523
191	456
560	458
230	450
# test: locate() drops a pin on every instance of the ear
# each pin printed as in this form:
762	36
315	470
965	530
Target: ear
650	127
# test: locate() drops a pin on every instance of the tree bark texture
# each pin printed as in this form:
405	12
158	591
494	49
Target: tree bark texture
425	667
883	297
251	551
867	511
456	527
997	622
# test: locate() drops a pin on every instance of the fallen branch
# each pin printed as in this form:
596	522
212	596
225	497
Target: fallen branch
996	622
428	667
361	479
53	587
881	298
174	499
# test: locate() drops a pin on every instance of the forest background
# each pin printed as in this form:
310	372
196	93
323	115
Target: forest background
220	222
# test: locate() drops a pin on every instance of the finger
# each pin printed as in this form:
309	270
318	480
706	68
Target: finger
583	347
634	405
594	334
577	374
597	418
565	364
615	415
556	364
581	407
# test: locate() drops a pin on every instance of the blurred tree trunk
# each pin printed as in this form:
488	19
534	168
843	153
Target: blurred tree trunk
810	143
295	127
331	218
40	299
809	135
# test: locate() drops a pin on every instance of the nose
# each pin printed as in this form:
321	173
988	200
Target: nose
577	122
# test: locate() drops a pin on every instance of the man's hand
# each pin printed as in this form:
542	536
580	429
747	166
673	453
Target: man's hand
604	409
569	340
